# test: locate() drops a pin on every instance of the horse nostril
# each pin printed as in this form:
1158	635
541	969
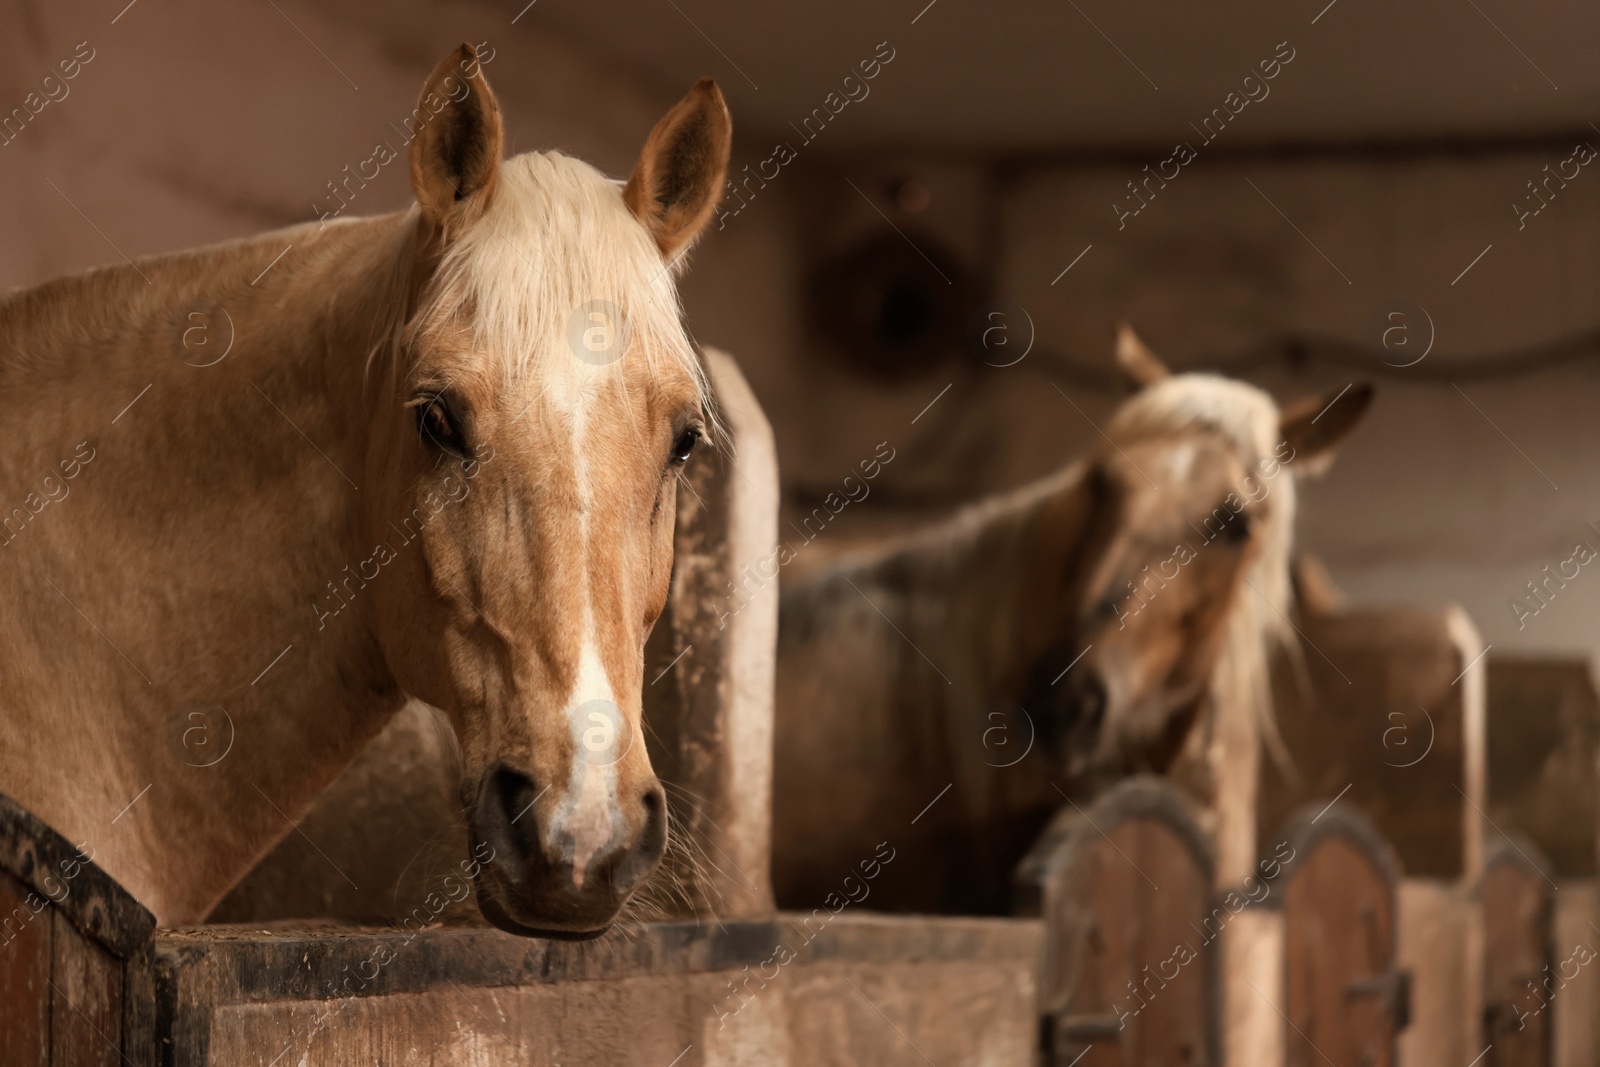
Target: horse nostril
653	838
509	804
1089	698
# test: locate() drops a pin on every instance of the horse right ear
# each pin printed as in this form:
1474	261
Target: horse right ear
1142	366
455	155
675	186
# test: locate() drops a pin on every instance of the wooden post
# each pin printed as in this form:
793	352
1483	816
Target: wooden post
711	662
1544	743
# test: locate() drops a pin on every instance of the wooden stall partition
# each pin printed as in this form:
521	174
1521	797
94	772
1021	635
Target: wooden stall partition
1519	981
1576	1024
87	979
76	965
1544	750
1384	708
392	820
1129	975
1544	745
1253	1033
858	989
1344	997
1441	946
711	663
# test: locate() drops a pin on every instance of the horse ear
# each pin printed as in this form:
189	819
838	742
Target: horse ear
1314	426
455	155
678	180
1142	366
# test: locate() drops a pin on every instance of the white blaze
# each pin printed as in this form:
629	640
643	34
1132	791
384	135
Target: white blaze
587	818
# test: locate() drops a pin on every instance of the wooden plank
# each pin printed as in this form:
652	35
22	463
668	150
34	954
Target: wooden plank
50	865
88	929
244	994
1441	926
1343	995
25	929
1520	984
86	1004
1129	974
1544	741
1387	704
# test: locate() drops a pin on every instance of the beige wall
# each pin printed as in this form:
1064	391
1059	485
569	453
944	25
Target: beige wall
196	123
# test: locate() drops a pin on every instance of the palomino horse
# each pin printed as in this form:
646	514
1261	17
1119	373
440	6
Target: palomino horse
416	470
1075	629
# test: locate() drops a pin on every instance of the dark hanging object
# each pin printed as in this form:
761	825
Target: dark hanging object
890	310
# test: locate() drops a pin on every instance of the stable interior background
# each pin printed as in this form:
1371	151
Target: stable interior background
986	169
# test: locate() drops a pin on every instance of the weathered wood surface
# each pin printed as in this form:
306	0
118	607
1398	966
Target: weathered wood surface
1576	1025
862	989
1388	702
1519	980
1130	965
1544	749
86	978
384	833
711	662
1344	1000
76	972
1441	945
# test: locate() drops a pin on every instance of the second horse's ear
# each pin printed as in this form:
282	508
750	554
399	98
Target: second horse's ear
678	181
1142	366
1313	426
455	153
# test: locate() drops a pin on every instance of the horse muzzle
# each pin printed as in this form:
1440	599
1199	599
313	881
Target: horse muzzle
542	882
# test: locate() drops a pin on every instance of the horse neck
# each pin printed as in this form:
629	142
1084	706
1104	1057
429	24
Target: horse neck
985	590
220	500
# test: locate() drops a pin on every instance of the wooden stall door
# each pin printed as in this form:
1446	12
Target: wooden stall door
1345	1000
76	975
1125	889
1517	1004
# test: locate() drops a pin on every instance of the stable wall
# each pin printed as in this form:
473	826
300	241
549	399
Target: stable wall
1456	488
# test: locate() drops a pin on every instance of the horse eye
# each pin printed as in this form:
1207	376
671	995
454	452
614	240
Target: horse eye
684	445
1238	531
438	426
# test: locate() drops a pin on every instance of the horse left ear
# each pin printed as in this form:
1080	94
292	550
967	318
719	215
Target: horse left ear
678	181
455	155
1314	426
1142	366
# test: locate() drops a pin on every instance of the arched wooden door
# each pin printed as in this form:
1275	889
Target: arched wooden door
1124	887
1344	999
1517	902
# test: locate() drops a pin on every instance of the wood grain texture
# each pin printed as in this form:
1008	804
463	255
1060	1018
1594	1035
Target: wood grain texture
1339	908
25	930
958	988
1521	982
86	1000
1380	704
1132	931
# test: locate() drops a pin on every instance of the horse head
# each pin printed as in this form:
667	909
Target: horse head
1181	583
539	402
